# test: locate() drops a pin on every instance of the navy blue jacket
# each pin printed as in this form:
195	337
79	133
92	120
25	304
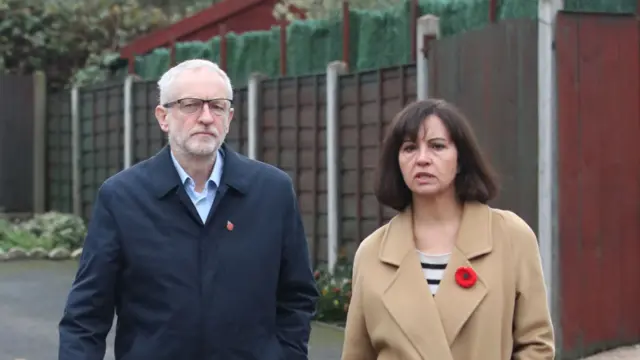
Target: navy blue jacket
184	290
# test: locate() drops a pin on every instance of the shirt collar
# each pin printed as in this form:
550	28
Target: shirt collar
216	174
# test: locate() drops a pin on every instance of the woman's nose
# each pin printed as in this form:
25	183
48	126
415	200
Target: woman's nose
424	156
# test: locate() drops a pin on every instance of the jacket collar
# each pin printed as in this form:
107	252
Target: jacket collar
433	323
474	235
216	173
236	172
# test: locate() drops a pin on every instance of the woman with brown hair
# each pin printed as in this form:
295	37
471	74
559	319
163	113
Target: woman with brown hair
448	277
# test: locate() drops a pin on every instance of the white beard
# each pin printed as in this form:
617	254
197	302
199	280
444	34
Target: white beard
199	145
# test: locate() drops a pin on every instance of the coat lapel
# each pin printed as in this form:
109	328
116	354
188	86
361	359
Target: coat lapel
455	303
407	297
237	174
165	180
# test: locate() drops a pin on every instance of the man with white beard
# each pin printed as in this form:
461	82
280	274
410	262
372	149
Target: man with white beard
200	251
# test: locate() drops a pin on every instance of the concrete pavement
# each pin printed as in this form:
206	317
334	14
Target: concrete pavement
32	296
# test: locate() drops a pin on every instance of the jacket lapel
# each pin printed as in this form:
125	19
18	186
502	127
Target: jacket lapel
188	204
455	303
237	174
407	297
164	180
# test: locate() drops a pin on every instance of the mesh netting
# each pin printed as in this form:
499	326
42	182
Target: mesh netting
378	38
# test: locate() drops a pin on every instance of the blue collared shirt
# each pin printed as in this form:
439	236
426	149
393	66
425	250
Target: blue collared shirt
203	201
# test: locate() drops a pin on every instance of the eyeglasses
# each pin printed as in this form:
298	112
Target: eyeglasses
190	106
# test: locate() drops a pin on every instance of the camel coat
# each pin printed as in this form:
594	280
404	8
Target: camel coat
393	315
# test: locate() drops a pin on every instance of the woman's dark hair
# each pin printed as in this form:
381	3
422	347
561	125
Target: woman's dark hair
475	181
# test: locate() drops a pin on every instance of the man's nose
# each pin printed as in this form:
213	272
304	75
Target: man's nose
206	116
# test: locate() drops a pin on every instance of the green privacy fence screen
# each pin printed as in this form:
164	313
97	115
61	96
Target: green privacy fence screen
377	38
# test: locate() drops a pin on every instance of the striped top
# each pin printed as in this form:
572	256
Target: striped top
433	268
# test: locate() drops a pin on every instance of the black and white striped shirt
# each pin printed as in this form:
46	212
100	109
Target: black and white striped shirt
433	268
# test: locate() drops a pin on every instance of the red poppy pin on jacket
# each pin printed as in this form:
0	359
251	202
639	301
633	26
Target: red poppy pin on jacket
466	277
229	225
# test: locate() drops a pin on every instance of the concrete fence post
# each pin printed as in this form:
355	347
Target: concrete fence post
427	30
334	69
76	135
547	157
128	121
254	115
39	142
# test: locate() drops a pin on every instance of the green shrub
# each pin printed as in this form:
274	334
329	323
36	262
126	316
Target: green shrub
4	225
54	229
335	293
17	237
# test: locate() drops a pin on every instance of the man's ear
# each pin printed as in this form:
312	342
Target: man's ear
161	115
229	118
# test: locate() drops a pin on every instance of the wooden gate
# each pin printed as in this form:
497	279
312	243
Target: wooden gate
599	181
492	75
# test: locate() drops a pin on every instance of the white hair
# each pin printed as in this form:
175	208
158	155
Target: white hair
164	84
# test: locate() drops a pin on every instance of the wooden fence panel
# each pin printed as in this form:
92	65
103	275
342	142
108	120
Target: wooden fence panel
237	138
368	102
599	180
491	74
16	143
59	152
293	138
101	139
148	139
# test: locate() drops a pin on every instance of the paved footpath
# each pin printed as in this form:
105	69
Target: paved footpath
32	296
623	353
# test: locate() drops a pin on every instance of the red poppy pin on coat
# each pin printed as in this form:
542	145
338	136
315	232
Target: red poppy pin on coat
229	225
466	277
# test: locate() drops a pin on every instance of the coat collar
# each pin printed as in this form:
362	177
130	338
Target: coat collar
433	323
216	173
236	171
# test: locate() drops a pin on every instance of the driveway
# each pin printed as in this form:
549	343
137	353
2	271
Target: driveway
32	296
